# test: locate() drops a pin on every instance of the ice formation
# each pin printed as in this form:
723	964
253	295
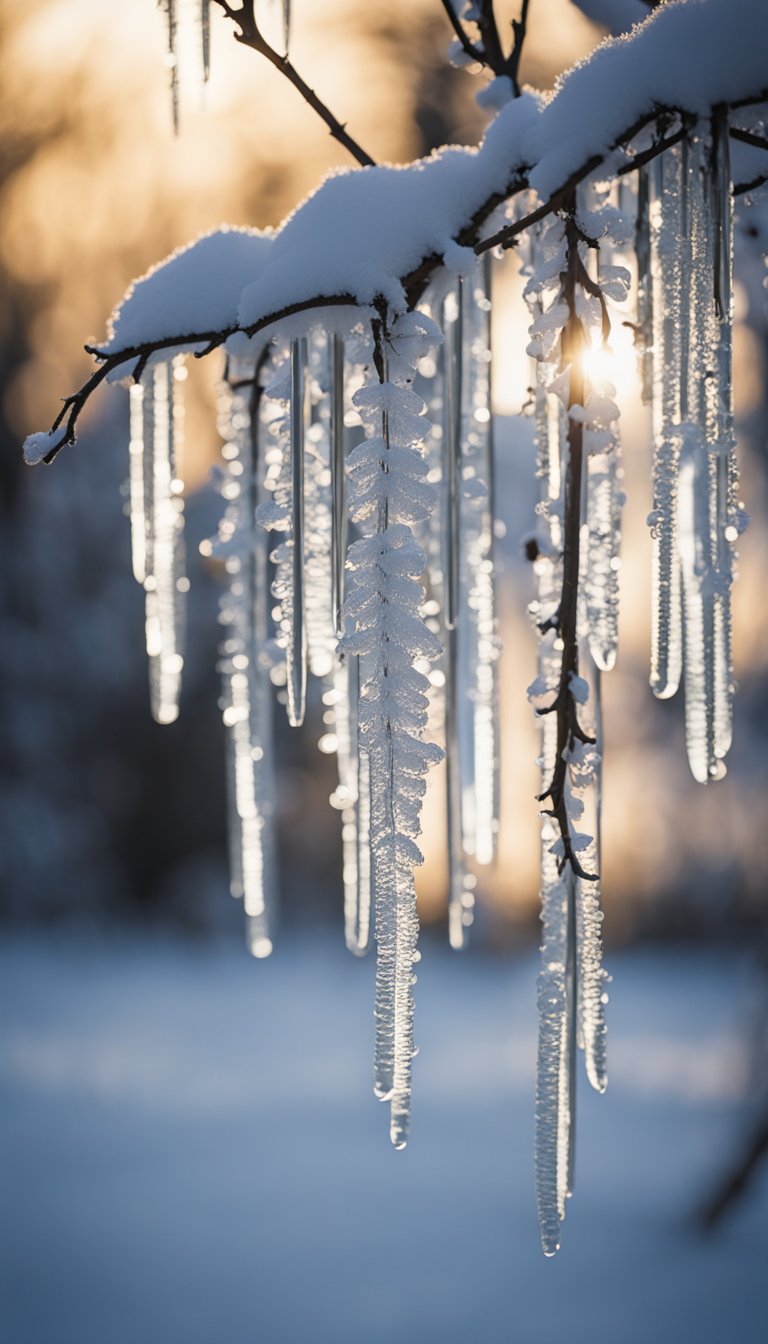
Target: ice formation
363	558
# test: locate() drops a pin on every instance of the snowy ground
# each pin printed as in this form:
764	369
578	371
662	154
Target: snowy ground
191	1153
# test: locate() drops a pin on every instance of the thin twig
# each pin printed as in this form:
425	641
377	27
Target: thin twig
249	35
74	404
468	47
748	138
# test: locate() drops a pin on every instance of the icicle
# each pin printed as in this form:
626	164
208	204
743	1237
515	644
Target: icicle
669	213
482	597
591	977
205	24
709	518
172	59
296	655
165	581
274	19
338	481
352	796
452	440
318	512
644	322
246	663
383	602
137	484
460	898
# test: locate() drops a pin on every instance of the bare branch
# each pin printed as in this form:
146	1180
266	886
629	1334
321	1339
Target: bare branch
748	137
653	151
74	404
741	188
519	28
249	35
471	50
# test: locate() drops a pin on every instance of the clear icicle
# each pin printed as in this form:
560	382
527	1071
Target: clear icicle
669	215
459	748
353	797
478	523
245	667
591	977
338	480
709	519
205	25
137	484
274	20
165	581
296	653
318	511
170	8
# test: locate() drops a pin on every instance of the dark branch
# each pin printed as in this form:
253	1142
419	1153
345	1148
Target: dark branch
741	188
471	50
519	29
653	151
250	35
74	404
748	138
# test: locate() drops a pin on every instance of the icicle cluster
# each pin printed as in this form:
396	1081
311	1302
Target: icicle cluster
157	526
696	515
188	24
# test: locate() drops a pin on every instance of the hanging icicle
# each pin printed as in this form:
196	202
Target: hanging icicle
383	604
246	662
669	227
574	415
188	24
274	20
709	518
157	527
205	25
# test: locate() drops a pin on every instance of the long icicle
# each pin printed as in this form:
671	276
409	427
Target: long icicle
338	481
704	471
459	761
166	583
384	602
483	595
137	484
296	654
669	210
245	666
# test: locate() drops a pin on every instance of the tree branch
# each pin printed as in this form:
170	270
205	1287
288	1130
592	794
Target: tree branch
74	404
251	36
519	28
748	138
468	47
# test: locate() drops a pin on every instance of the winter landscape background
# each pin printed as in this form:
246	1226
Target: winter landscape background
190	1148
